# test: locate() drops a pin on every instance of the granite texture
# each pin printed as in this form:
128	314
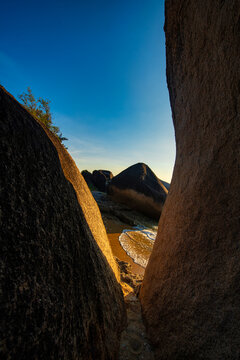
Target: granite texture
59	295
86	201
190	294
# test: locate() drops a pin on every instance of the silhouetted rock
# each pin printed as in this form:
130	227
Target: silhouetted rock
101	179
166	184
59	296
190	293
88	178
139	188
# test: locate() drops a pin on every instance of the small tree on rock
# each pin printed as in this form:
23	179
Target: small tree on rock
40	109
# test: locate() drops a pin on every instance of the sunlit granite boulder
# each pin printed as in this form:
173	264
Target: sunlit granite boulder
86	201
59	295
190	294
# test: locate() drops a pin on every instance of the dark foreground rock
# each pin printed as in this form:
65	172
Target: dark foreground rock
190	293
139	188
59	295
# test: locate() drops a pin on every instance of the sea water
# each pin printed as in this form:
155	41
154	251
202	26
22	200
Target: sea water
138	243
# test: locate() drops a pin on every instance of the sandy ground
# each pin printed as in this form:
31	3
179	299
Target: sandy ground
114	230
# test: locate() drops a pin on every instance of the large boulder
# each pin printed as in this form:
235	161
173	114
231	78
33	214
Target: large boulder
190	294
139	188
59	295
101	179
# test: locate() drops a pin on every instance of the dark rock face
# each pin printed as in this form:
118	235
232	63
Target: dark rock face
101	179
88	178
60	298
190	294
139	187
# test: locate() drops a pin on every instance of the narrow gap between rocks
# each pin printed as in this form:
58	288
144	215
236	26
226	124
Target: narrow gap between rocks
134	342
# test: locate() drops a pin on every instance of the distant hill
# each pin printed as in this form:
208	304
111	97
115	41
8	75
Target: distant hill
140	188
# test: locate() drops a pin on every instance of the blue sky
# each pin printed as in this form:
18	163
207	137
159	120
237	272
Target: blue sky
102	65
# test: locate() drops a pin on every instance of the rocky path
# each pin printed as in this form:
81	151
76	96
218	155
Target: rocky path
134	344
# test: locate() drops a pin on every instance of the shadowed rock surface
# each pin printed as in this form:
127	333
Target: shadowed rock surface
166	184
139	188
190	293
59	296
101	179
88	178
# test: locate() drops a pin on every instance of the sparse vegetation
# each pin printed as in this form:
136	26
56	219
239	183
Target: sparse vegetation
40	109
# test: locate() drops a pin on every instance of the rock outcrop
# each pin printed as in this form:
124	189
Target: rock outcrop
59	295
190	294
139	188
88	178
101	179
98	180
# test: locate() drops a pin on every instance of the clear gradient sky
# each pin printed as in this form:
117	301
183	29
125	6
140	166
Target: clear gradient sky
102	65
